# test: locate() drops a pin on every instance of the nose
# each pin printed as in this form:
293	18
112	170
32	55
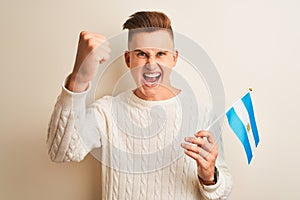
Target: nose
151	59
151	62
151	66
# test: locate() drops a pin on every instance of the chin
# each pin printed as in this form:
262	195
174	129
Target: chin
148	93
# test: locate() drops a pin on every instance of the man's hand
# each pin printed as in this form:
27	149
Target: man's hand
92	50
204	150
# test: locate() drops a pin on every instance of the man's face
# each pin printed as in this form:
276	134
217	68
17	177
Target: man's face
150	58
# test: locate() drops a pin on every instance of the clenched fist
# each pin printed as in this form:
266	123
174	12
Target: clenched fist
92	50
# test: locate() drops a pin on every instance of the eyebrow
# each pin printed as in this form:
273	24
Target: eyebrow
139	50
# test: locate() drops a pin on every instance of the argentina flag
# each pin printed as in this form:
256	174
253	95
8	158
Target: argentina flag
242	121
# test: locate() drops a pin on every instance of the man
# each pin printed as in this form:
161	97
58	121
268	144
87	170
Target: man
119	125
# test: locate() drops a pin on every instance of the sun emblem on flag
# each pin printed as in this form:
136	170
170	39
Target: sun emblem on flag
248	127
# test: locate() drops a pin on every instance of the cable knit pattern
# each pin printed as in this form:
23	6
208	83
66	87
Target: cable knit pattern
63	141
129	179
136	165
115	174
158	174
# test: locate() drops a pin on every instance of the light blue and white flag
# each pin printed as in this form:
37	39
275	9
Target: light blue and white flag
242	121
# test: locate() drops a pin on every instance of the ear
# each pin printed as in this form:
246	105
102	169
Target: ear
127	58
175	57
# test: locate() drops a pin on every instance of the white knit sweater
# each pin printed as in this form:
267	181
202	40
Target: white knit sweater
138	163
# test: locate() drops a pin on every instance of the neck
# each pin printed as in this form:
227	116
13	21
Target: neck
156	94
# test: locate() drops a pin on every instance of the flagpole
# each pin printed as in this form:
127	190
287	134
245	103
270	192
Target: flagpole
224	113
217	119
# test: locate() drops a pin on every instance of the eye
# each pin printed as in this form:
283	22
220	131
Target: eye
160	54
141	54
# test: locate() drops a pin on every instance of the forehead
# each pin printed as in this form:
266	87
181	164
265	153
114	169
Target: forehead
160	39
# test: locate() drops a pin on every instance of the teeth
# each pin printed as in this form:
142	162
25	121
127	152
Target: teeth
152	75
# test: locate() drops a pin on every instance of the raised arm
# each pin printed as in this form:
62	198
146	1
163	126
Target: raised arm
72	123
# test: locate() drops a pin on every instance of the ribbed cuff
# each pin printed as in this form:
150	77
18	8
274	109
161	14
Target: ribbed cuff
220	190
211	188
68	98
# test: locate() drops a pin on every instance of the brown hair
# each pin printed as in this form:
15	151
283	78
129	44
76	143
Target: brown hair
147	21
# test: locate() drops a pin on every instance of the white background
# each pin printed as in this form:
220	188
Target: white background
253	43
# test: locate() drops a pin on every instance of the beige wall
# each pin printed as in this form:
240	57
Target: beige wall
253	43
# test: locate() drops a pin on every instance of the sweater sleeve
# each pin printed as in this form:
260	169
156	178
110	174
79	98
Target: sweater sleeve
72	131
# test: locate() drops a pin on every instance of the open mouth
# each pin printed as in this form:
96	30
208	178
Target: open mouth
151	79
